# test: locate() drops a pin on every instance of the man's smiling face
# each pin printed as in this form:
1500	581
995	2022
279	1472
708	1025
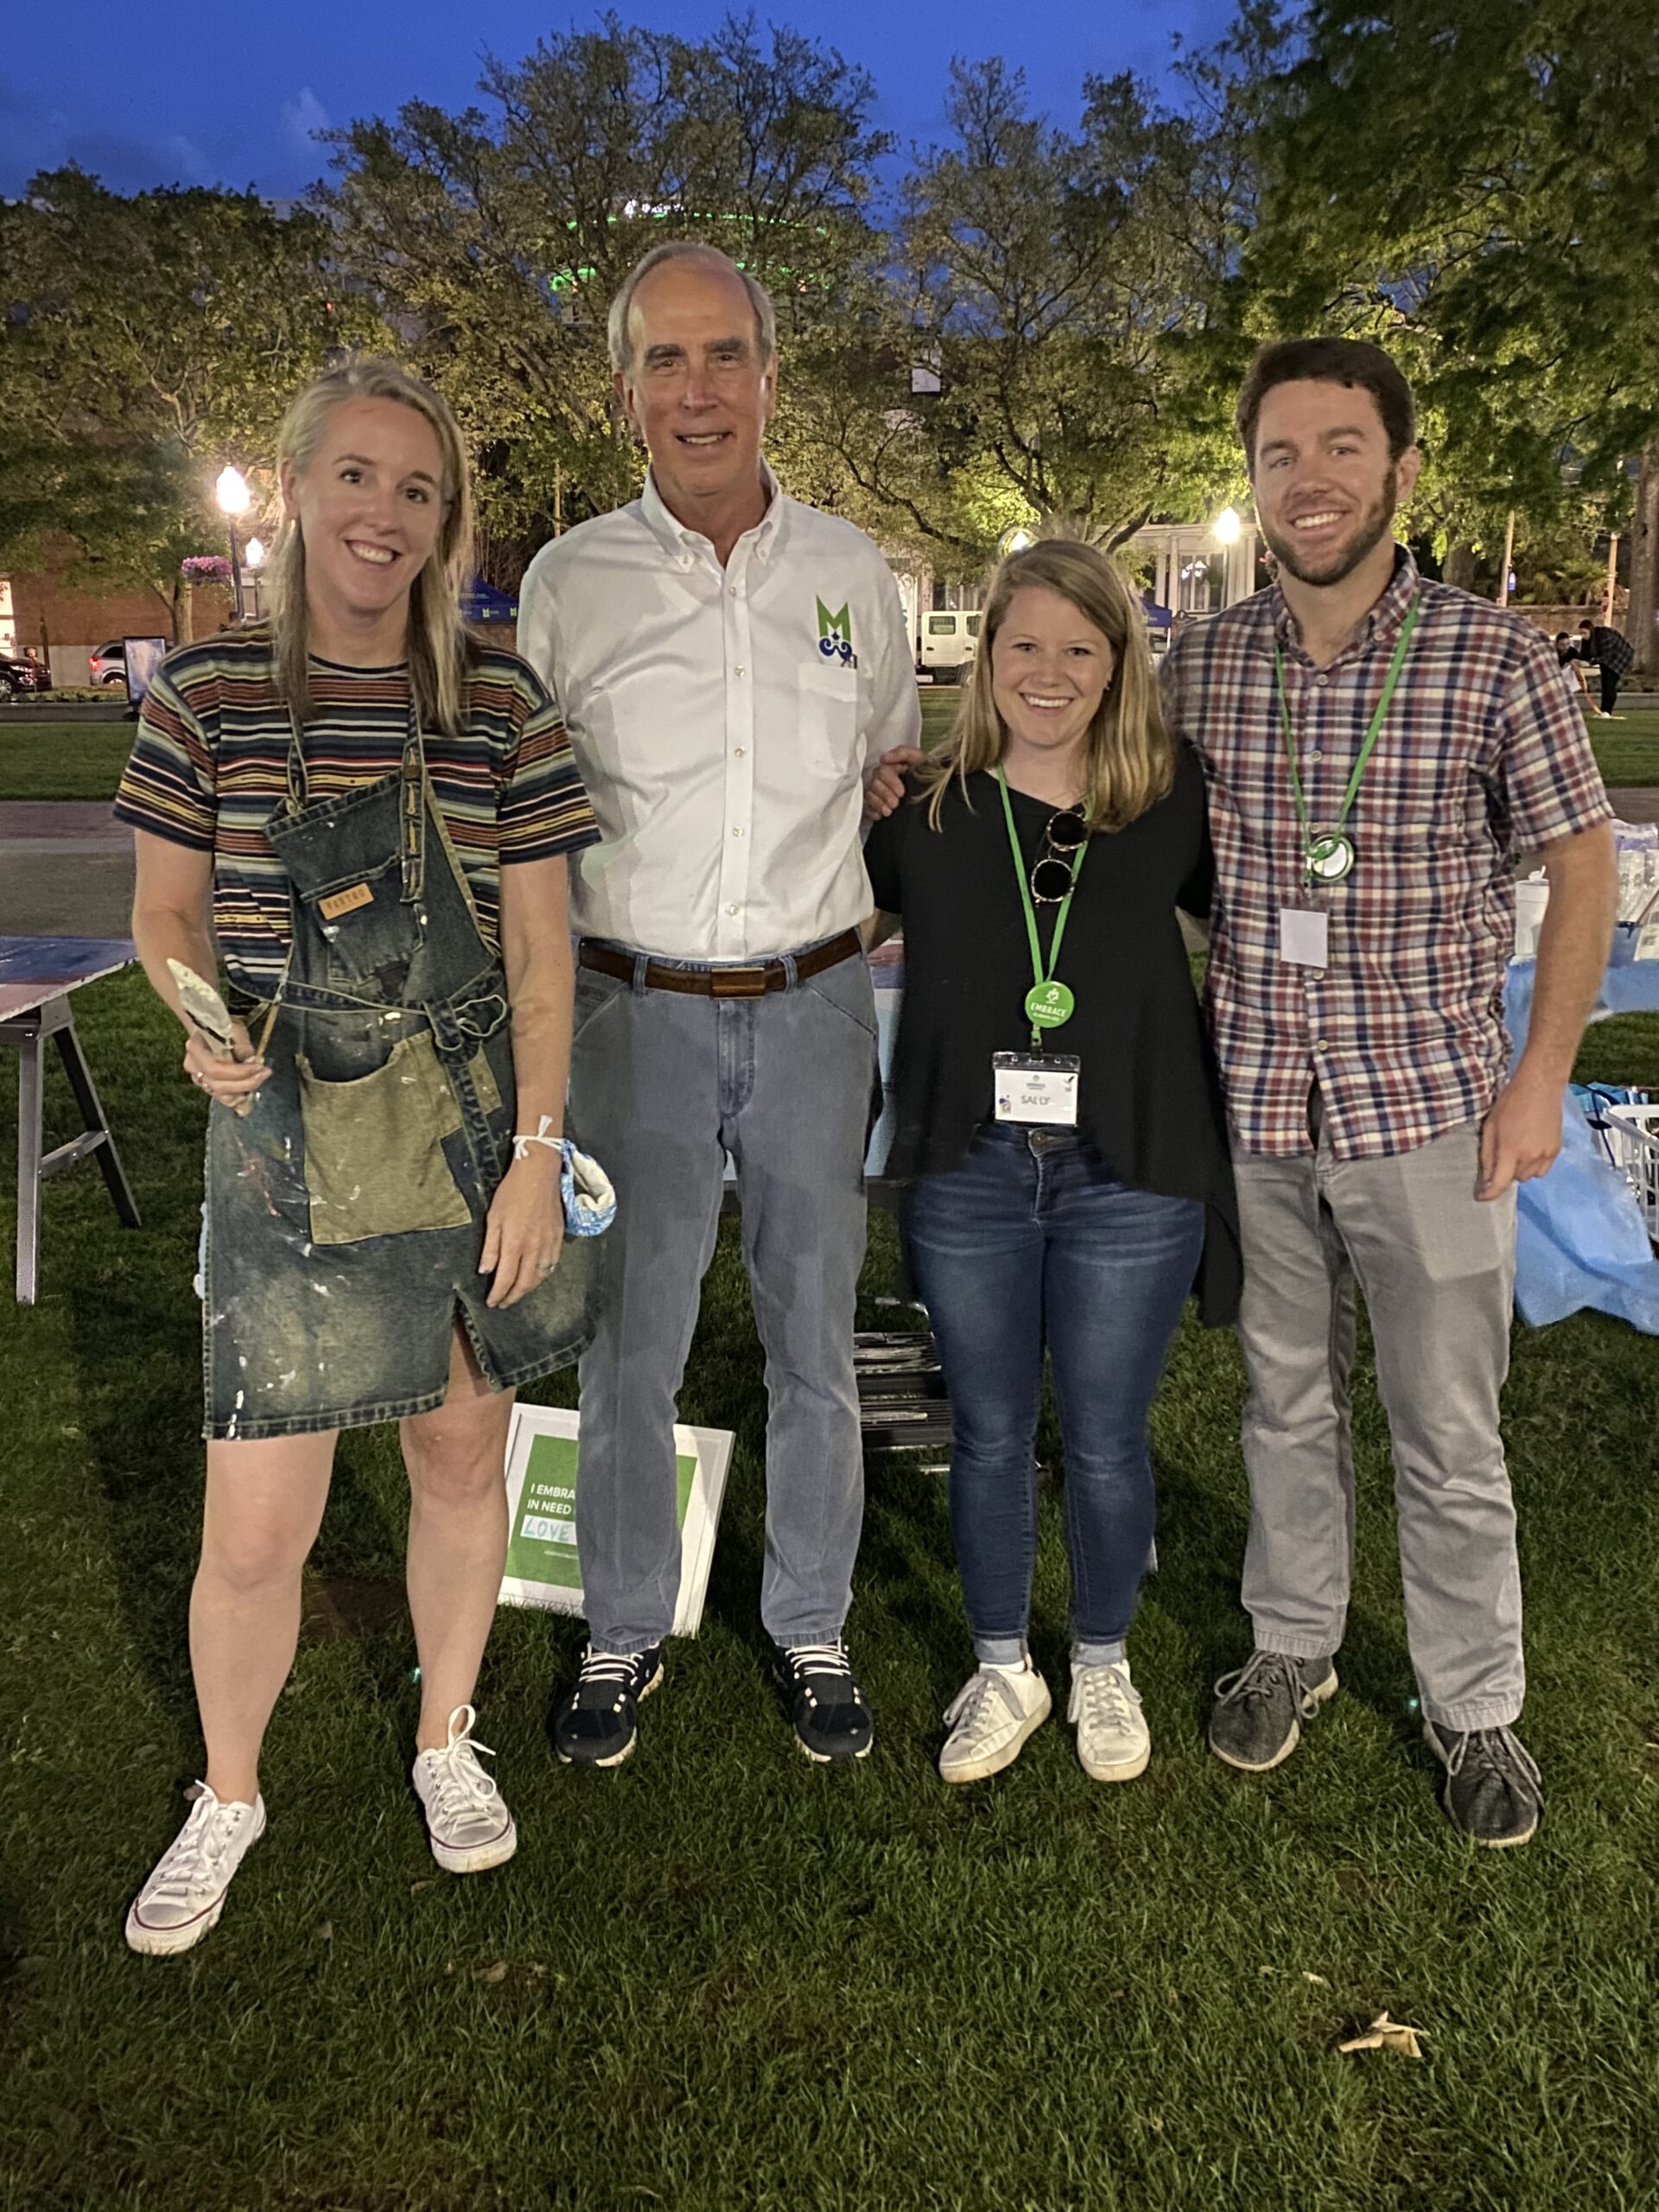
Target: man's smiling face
696	388
1326	486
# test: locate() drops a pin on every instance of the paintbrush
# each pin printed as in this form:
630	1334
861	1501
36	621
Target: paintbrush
206	1011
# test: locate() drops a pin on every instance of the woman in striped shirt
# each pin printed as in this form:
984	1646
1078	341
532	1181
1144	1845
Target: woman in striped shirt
367	815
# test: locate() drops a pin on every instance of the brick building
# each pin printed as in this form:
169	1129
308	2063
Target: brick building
62	622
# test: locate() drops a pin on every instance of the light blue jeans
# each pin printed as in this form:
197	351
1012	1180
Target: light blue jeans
663	1086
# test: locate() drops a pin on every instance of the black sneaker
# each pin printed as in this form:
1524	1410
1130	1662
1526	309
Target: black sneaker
1493	1790
826	1705
596	1724
1260	1707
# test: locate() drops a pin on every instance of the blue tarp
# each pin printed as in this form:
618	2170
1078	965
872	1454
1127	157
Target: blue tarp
1580	1237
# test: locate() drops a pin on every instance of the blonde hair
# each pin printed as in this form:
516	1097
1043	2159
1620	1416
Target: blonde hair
1129	752
438	648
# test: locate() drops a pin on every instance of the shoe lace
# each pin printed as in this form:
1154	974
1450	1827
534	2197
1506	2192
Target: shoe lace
1263	1674
820	1659
458	1780
608	1670
1499	1749
191	1861
1104	1698
969	1709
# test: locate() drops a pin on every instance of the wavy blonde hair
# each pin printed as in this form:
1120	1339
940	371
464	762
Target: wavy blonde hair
1129	749
439	648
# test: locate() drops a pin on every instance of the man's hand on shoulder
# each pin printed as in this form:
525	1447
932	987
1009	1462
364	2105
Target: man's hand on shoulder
886	787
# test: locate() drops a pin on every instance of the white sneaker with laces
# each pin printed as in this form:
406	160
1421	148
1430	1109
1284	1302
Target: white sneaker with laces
185	1894
1113	1742
467	1822
989	1719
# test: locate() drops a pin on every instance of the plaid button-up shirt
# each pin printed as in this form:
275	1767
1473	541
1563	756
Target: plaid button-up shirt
1482	754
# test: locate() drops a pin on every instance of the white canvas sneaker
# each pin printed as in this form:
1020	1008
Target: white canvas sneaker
467	1822
185	1894
989	1719
1113	1742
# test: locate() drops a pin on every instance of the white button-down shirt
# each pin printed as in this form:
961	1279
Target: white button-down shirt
722	720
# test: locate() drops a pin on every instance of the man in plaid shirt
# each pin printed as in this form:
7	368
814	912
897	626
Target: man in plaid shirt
1355	985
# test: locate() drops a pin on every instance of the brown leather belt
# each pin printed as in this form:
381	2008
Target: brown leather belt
747	982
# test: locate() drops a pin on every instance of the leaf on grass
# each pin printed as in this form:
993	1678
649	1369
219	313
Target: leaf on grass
414	1888
496	1972
325	1933
1385	2034
1317	1977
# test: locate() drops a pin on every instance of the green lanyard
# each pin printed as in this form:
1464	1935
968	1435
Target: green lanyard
1047	1003
1328	855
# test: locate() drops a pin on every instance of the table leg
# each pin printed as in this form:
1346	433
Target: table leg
91	1118
28	1166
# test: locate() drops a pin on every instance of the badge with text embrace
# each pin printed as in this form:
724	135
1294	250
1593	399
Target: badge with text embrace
835	636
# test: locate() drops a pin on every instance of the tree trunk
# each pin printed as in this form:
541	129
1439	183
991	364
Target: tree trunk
181	610
1459	567
1644	563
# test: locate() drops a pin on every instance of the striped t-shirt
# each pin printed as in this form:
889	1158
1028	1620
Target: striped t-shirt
210	768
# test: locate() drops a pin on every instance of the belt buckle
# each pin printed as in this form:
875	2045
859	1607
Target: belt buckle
738	983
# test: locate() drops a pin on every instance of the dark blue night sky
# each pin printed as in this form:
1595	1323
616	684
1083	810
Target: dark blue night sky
229	95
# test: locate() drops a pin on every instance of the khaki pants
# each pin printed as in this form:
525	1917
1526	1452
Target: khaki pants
1437	1269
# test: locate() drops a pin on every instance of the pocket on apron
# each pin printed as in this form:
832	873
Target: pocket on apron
374	1158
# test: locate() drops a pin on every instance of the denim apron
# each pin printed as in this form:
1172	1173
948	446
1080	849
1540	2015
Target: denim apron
346	1211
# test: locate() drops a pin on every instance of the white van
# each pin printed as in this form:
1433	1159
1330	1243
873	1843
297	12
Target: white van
947	645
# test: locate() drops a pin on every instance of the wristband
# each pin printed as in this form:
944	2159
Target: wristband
585	1192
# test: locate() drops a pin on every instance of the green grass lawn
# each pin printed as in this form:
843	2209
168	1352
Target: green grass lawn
722	1978
62	759
85	759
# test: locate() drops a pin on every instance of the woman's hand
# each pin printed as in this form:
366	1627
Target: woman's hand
233	1081
526	1231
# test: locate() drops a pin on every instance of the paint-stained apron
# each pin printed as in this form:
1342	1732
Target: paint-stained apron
346	1212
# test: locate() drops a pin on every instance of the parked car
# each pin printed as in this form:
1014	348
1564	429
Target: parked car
18	674
949	642
109	664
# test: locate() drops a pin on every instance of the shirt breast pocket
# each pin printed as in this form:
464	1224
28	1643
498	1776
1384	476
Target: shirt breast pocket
827	719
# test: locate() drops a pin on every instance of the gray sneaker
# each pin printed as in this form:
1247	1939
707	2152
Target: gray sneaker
1493	1790
1260	1707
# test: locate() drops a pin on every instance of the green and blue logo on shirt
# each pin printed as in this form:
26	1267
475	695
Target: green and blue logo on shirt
835	636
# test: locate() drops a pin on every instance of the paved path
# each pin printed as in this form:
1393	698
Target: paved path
66	869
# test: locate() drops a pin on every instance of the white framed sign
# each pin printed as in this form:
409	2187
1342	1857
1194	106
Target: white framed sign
543	1470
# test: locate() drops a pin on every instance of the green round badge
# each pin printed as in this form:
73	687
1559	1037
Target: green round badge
1049	1004
1330	858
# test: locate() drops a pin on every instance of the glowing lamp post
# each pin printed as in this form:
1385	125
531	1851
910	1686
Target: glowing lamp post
233	499
254	554
1228	526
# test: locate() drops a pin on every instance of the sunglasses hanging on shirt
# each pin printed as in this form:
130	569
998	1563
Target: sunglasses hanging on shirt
1054	870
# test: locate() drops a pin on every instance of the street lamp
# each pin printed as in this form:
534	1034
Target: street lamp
1016	540
233	499
1228	526
254	555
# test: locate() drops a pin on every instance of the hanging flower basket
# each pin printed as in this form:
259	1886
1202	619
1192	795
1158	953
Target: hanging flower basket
206	568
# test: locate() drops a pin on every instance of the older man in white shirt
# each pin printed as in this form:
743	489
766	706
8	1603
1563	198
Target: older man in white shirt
730	664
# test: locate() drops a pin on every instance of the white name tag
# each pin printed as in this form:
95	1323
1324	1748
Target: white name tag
1036	1087
1304	937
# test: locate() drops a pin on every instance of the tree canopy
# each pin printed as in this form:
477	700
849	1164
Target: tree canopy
1024	323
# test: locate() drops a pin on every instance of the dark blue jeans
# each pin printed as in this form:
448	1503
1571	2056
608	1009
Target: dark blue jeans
1029	1241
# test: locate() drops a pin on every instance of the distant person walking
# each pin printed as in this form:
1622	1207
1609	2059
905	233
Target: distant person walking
1611	652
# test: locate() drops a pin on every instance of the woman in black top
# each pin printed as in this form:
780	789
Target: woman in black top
1057	1106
